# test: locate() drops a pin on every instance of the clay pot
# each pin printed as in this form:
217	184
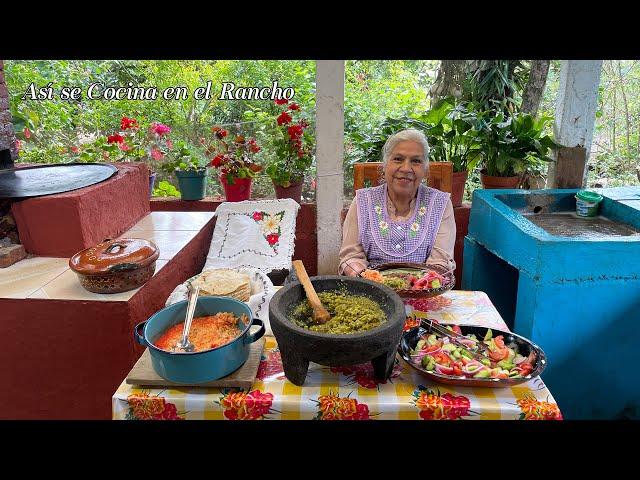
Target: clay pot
491	182
115	266
458	182
294	191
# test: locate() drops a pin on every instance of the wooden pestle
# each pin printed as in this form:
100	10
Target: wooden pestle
320	314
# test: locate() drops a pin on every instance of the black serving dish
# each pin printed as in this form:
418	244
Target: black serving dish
410	339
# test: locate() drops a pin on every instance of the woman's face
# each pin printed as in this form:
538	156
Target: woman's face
406	168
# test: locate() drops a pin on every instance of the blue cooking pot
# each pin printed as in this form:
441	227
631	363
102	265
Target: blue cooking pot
198	367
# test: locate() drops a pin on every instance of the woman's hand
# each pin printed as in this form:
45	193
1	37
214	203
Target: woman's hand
351	271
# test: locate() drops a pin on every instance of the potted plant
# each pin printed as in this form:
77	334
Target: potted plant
132	143
453	138
234	162
190	170
511	147
293	152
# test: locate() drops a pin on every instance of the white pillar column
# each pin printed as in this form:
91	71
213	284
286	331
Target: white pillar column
576	106
329	158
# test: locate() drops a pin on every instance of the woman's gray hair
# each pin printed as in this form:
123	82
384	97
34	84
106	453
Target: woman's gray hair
411	135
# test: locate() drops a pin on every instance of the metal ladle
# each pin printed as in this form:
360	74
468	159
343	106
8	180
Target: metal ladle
184	345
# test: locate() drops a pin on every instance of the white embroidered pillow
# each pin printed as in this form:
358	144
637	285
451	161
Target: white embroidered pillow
256	234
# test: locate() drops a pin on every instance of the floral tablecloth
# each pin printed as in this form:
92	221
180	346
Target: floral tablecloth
351	393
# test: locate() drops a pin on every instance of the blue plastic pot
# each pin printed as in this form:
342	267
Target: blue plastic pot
192	184
198	367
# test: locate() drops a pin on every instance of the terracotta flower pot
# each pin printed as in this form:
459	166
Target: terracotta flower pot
491	182
239	191
294	191
458	182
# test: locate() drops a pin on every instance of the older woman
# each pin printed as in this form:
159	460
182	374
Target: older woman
401	220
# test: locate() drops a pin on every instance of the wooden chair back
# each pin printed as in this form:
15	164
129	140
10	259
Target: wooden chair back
440	175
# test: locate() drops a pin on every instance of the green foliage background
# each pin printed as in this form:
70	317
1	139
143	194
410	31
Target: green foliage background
374	92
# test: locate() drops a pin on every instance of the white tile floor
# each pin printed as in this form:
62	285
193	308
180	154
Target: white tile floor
51	278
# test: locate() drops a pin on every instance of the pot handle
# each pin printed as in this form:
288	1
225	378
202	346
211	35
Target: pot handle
136	333
250	338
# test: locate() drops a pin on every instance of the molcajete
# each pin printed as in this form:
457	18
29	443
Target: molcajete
298	346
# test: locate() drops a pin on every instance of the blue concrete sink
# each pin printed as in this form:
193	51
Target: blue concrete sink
570	284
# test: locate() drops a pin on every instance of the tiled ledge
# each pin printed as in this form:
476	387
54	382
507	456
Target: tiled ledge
51	278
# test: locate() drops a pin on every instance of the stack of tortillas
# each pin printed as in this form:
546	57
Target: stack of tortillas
224	282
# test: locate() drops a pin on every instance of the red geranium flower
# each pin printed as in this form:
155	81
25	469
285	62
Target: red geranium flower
253	146
294	106
117	138
220	132
273	238
127	123
217	161
281	101
284	118
294	131
74	149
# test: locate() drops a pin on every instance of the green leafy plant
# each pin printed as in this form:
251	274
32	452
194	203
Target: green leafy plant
371	144
494	84
165	189
233	158
452	133
292	145
184	158
513	146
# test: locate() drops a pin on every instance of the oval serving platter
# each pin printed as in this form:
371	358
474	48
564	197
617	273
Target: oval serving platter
410	339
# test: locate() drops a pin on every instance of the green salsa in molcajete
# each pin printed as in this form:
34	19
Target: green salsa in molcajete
349	313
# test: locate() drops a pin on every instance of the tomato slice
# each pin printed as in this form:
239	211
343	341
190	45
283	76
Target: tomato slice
433	348
499	354
442	358
456	329
525	369
446	370
499	341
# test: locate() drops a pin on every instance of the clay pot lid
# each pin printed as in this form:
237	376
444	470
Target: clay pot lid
115	255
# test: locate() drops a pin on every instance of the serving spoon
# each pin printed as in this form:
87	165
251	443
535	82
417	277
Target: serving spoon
320	314
184	345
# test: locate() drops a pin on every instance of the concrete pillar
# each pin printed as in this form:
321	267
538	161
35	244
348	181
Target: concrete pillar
574	121
329	158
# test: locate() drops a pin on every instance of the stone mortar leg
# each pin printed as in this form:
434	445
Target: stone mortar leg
295	366
383	365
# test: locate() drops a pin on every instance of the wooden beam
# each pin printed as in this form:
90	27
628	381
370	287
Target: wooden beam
574	121
570	167
329	159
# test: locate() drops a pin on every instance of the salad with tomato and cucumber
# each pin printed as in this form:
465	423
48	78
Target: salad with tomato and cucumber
467	358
